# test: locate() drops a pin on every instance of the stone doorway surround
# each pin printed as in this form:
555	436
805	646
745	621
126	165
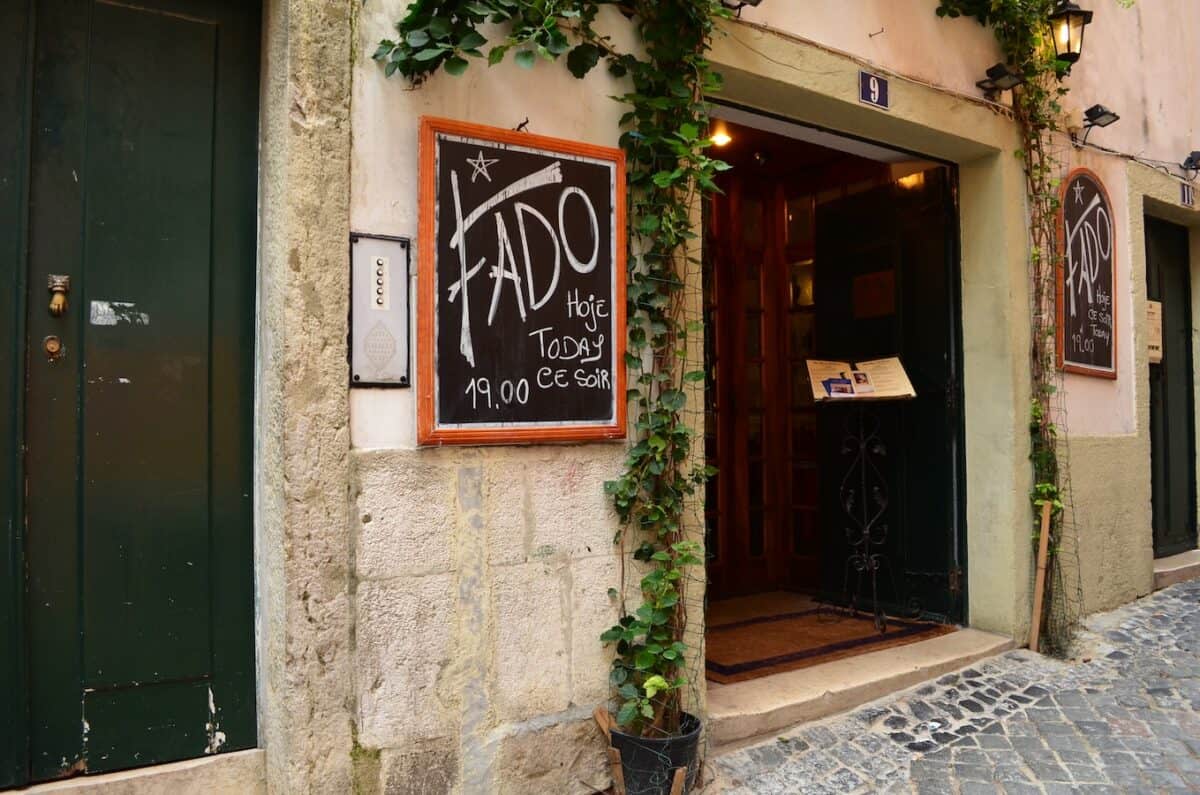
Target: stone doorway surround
303	543
789	78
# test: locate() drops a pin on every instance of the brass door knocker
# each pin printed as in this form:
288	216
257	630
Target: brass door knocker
59	286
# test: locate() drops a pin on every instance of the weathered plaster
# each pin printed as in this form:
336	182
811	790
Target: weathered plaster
303	440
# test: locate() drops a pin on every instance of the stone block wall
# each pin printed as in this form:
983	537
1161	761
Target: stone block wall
480	589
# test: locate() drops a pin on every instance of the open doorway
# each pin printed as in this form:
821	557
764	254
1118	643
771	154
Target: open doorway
825	247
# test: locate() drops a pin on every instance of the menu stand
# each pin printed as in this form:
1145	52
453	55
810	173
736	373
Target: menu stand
864	498
864	489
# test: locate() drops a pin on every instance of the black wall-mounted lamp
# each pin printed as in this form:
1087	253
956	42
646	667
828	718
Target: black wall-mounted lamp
1000	78
1066	26
1191	162
1097	116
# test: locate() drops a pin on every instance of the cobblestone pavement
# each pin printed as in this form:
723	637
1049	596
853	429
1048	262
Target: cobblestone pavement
1124	718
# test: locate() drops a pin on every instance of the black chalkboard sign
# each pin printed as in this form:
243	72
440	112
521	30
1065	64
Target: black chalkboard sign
521	331
1087	311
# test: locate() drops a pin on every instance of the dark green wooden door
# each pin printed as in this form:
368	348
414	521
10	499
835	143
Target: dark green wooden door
886	285
1172	409
138	439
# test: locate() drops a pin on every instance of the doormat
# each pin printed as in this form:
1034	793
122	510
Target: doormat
772	644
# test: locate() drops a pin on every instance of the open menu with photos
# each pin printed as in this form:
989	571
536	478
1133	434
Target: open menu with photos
877	379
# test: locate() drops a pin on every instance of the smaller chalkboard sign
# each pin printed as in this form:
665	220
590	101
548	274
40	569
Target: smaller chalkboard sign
521	288
1087	311
873	90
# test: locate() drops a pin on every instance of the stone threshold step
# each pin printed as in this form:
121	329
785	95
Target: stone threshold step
1176	569
748	710
241	772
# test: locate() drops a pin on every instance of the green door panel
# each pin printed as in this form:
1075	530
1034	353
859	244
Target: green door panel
1172	407
139	439
15	19
145	393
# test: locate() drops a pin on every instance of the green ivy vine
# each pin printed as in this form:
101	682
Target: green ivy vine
1022	30
664	135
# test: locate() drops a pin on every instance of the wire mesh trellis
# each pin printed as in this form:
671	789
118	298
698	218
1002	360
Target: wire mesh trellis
1063	602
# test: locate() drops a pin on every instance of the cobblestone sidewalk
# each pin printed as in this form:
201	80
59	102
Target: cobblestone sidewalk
1124	719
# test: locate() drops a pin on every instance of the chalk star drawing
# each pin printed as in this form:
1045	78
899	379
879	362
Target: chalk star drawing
1079	193
479	167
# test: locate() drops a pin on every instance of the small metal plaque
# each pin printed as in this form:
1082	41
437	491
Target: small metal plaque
873	90
1187	194
379	310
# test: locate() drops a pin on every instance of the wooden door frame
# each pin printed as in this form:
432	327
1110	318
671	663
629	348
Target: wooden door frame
955	269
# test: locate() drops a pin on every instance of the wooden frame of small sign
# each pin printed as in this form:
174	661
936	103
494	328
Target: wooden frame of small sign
1065	361
535	350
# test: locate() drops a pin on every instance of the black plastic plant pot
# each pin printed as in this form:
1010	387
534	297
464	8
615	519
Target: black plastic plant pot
649	763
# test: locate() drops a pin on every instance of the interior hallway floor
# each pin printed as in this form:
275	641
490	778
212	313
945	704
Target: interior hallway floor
1124	716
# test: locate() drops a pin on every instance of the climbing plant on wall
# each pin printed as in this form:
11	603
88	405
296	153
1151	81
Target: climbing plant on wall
664	135
1022	30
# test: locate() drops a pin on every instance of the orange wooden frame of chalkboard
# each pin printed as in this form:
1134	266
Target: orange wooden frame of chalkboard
1061	259
427	431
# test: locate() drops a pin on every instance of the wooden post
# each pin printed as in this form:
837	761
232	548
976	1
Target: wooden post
679	780
618	775
1039	585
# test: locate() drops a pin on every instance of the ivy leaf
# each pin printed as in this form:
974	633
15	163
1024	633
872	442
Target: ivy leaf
525	59
557	42
628	713
496	55
583	59
417	38
439	27
673	399
455	65
655	685
471	40
429	54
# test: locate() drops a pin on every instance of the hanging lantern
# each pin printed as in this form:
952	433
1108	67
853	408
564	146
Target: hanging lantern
1066	25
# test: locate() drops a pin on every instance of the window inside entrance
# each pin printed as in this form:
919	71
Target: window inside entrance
820	247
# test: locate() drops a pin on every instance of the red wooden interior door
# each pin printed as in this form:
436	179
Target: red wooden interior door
760	421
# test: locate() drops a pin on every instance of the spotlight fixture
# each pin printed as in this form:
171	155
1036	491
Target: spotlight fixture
1066	26
721	138
1097	116
1000	78
1191	162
